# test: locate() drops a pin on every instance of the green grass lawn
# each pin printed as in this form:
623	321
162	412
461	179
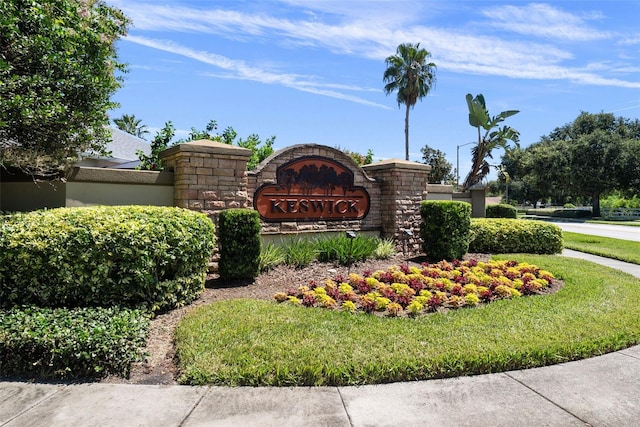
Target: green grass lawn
623	250
251	342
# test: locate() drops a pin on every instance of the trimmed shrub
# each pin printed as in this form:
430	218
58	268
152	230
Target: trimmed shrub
61	343
501	211
560	213
148	257
445	229
492	235
239	239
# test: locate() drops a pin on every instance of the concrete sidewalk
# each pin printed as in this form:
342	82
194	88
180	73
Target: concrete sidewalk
601	391
632	269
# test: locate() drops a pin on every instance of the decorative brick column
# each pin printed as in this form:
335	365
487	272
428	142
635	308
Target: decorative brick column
209	176
404	187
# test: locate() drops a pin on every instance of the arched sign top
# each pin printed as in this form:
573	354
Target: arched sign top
312	188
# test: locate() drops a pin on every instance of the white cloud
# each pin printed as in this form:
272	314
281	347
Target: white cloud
543	20
238	69
372	30
630	40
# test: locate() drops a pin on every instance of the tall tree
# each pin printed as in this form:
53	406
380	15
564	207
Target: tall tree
359	158
630	172
494	137
440	167
162	141
228	136
593	155
409	74
58	66
159	143
129	123
258	153
595	145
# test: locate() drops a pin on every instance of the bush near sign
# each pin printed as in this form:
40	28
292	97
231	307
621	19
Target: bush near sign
312	188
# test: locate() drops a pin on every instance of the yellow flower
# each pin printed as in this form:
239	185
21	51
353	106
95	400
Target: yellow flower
349	306
425	293
394	309
503	291
469	289
345	288
414	307
382	302
471	299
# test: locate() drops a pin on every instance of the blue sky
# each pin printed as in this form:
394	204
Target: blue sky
311	71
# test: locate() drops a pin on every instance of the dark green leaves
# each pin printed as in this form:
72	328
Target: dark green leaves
239	243
61	343
58	73
135	256
478	114
445	229
493	138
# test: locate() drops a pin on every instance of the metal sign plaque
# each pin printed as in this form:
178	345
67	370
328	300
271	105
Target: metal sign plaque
312	188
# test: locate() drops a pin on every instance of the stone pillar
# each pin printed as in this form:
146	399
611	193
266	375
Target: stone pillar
209	176
403	188
478	201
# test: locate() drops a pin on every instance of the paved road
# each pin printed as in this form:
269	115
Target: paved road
624	232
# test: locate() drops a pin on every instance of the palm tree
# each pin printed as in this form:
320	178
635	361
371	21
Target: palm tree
409	73
129	123
492	139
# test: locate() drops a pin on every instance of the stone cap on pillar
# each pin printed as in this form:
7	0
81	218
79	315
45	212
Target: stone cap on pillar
207	146
397	164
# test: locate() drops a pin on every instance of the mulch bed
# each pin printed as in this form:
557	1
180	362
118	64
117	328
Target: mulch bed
159	365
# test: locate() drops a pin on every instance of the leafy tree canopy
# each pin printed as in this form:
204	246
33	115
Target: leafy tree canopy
58	67
359	158
163	138
593	155
160	142
440	167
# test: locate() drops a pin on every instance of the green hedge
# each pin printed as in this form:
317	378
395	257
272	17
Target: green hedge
134	256
445	229
77	343
492	235
560	213
239	239
501	211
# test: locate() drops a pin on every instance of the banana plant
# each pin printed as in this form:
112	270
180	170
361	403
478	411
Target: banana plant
494	137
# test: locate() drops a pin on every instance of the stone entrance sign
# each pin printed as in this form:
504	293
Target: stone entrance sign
312	188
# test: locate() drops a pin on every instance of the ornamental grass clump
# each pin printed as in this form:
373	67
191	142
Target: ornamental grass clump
412	291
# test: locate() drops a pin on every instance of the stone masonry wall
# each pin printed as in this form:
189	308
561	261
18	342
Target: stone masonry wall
404	187
209	176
